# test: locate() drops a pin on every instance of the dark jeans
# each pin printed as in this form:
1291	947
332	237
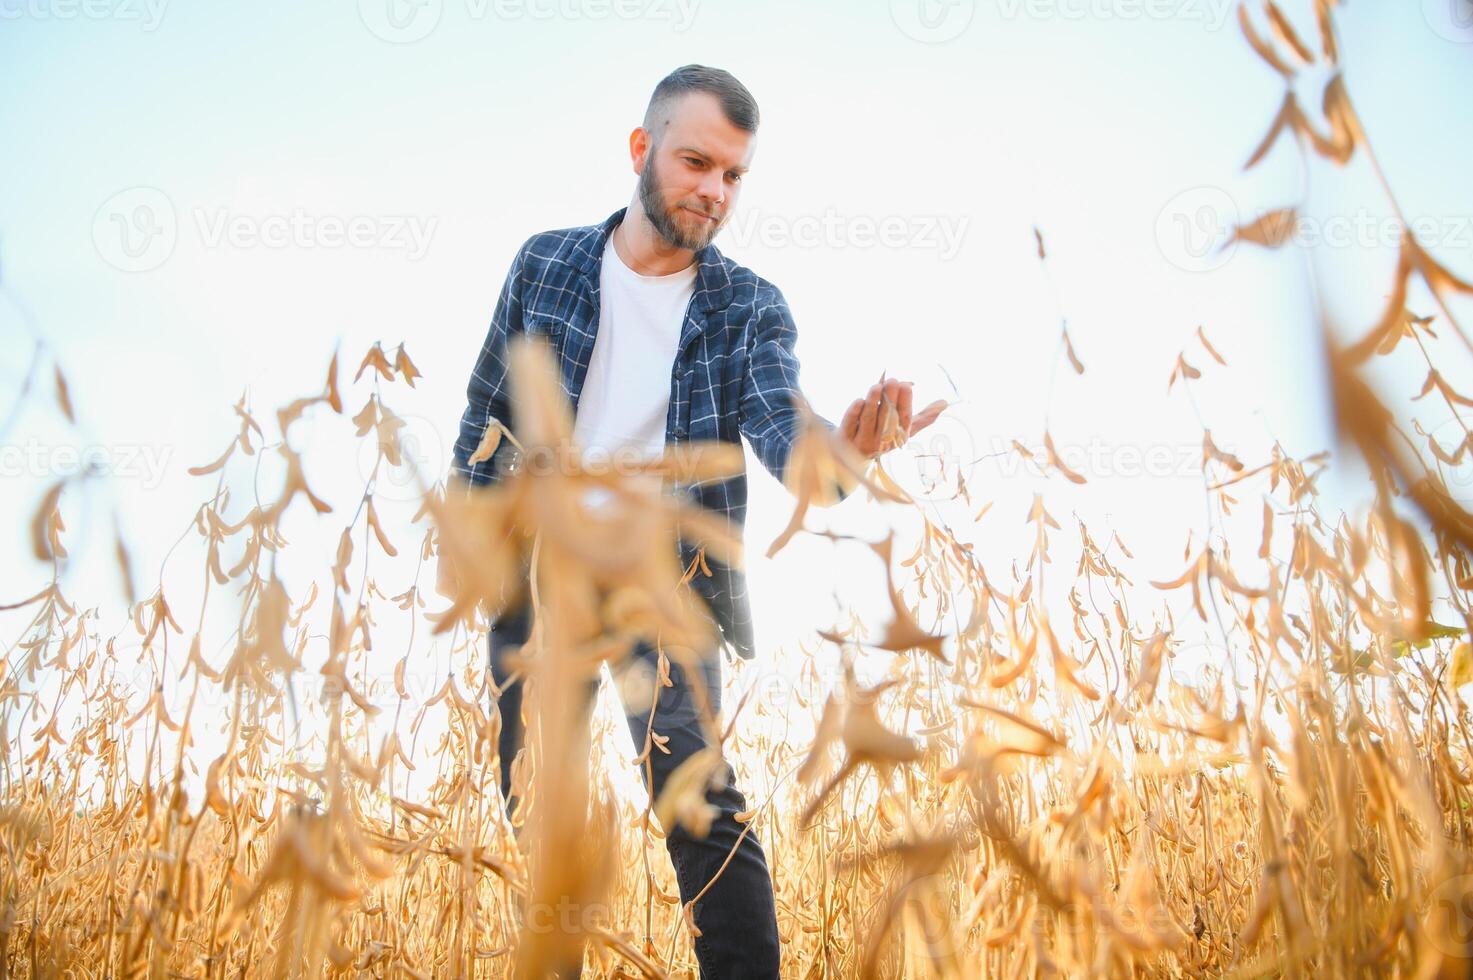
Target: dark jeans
737	916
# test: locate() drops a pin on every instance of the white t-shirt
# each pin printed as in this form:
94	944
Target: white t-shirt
626	393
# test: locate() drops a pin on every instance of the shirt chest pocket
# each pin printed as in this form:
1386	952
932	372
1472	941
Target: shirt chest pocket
545	325
547	329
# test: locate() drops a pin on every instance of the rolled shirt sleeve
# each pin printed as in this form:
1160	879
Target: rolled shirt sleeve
771	397
486	394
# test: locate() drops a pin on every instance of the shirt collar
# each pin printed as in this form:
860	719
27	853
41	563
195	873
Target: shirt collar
713	281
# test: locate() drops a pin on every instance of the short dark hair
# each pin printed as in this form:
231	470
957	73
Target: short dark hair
737	103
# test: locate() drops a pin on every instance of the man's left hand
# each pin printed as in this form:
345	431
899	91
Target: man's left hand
881	420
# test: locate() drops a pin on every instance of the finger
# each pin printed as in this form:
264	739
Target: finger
892	391
928	415
870	415
889	416
882	408
850	424
903	405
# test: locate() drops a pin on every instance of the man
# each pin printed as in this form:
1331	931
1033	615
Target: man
662	339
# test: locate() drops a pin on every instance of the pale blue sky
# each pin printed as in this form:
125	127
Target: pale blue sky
1109	124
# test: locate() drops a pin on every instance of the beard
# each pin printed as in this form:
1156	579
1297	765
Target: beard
666	220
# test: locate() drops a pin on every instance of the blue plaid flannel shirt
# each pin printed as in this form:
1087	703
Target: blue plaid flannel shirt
734	374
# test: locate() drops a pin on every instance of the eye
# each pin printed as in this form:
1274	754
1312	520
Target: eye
695	162
735	178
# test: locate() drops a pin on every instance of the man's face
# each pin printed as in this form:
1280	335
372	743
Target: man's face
692	174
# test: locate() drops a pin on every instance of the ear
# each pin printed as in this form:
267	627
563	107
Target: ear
639	148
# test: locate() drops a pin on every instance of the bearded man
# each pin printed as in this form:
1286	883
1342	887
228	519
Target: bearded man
660	340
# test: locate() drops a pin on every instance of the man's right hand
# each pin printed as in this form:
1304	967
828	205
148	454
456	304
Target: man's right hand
882	420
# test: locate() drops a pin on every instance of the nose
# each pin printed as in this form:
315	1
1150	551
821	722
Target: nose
712	188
